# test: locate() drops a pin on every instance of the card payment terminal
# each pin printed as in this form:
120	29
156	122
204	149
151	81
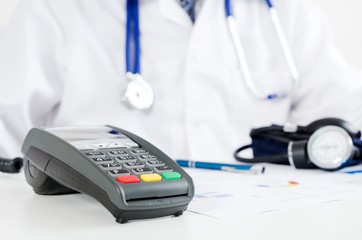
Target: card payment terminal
129	176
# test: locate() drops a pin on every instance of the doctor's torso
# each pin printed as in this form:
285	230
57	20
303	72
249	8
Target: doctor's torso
202	109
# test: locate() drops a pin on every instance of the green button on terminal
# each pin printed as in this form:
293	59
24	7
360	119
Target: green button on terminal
171	175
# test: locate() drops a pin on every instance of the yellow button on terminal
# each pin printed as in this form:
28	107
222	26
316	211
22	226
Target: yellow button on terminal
153	177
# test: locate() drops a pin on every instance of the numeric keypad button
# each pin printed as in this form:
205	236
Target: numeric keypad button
147	157
162	169
155	163
101	160
95	154
117	153
111	166
118	172
123	159
131	165
139	171
137	152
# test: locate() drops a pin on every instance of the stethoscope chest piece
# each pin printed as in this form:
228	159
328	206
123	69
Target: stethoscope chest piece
138	93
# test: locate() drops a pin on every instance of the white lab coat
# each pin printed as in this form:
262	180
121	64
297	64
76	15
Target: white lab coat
63	63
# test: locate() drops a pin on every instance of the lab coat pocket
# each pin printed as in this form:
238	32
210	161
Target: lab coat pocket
260	112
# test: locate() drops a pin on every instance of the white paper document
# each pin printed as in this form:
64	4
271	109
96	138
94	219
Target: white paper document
226	195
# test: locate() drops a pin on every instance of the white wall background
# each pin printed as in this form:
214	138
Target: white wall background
345	17
6	7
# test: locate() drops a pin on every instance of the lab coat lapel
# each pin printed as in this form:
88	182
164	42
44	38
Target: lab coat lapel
174	13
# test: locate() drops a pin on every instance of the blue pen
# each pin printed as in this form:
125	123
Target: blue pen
255	169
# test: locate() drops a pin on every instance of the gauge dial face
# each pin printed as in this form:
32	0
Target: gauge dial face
329	147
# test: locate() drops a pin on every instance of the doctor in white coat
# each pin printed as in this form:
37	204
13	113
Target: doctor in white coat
62	62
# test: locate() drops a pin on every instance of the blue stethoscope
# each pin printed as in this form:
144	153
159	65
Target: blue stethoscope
139	94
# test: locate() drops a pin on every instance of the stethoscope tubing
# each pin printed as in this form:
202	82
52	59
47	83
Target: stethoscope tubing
133	36
243	61
284	43
245	69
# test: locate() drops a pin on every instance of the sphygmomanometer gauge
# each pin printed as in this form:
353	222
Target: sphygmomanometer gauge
330	147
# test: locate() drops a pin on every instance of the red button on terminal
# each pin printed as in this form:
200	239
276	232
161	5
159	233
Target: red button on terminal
128	179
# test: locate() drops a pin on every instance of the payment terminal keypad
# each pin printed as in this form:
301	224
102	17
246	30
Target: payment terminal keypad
130	163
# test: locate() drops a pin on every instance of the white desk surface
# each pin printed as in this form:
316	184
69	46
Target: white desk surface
26	215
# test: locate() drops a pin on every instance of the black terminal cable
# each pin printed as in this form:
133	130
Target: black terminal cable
11	165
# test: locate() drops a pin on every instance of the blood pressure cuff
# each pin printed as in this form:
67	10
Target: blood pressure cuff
268	147
273	141
270	144
358	144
